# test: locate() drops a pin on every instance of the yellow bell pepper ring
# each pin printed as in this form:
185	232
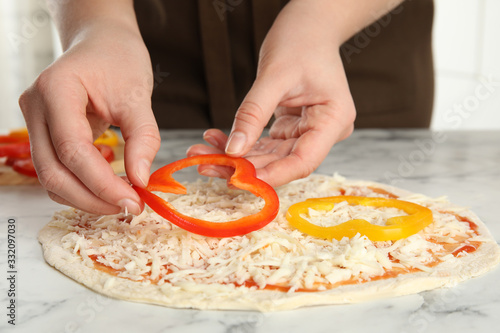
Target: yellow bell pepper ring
19	133
397	227
108	138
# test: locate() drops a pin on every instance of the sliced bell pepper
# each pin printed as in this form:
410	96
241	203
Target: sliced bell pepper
15	149
16	135
15	144
244	177
24	166
108	138
397	227
106	152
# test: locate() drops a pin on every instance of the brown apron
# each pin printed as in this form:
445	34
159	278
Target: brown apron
209	48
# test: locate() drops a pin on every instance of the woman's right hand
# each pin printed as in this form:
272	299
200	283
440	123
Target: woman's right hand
104	77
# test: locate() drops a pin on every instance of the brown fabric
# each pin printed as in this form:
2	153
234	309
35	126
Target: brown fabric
390	69
171	33
210	50
217	63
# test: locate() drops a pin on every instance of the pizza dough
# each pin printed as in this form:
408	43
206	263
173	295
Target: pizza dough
147	259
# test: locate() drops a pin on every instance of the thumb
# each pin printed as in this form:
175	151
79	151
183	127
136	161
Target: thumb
252	116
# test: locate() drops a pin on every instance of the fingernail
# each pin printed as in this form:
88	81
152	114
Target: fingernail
129	206
143	171
236	143
210	173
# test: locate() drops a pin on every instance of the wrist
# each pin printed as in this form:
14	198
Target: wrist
312	22
102	29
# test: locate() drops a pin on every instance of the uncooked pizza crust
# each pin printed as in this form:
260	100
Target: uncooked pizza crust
10	177
66	256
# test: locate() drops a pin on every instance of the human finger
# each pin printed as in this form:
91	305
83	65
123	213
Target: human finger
61	184
253	115
306	154
142	142
210	170
216	138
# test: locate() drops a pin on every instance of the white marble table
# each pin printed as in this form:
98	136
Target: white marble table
463	165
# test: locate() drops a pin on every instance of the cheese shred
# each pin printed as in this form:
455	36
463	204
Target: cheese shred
150	249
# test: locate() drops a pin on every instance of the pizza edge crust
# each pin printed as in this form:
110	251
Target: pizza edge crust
230	297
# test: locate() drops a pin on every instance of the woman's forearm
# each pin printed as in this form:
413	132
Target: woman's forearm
344	18
74	17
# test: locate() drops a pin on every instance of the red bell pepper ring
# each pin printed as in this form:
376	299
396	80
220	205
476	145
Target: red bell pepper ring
244	178
15	150
17	135
11	139
20	160
24	166
106	152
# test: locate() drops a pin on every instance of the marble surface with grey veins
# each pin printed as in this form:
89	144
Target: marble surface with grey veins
465	166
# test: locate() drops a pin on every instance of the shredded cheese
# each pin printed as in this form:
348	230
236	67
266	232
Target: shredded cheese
149	249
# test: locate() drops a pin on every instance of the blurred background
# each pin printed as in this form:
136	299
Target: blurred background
466	53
